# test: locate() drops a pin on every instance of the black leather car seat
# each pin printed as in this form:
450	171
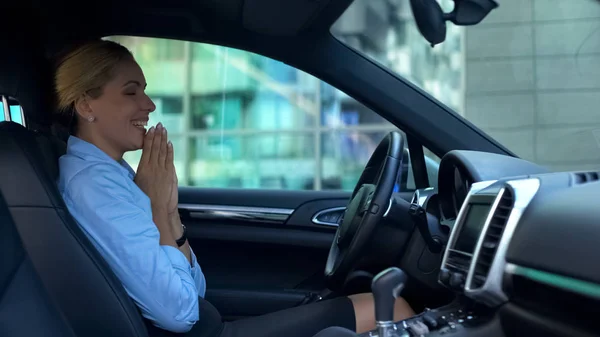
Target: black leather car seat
25	307
77	278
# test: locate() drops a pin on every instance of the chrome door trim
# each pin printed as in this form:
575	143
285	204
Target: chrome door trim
316	221
328	210
242	213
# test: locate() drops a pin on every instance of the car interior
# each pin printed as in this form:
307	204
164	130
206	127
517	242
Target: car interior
500	247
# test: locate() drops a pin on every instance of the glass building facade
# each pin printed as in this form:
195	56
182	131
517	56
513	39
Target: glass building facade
527	74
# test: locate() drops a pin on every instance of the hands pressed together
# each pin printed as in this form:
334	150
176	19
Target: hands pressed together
157	178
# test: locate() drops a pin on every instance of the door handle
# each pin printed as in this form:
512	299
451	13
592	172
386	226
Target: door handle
329	216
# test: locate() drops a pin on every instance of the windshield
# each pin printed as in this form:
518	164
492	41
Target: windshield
527	75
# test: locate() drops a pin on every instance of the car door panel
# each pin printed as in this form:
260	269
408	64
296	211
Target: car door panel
260	250
265	276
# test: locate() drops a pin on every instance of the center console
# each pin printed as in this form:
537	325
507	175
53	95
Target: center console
473	262
436	322
475	257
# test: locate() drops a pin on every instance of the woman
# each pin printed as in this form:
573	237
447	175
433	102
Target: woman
132	218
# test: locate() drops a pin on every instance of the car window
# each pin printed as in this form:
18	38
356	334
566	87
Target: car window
527	75
242	120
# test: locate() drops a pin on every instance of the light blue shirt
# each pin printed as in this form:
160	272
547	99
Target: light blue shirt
117	217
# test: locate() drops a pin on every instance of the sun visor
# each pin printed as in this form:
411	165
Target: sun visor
283	18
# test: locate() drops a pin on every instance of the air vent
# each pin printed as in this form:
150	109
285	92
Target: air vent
492	239
586	177
458	262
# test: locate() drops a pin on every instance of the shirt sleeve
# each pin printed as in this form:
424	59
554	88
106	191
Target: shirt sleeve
198	276
158	278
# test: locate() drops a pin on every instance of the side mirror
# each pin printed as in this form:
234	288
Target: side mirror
431	19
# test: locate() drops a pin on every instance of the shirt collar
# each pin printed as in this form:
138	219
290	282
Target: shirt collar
90	152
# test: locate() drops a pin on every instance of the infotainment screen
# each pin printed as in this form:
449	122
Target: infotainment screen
471	227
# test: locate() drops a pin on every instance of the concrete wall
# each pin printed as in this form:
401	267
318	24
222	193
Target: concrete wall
533	80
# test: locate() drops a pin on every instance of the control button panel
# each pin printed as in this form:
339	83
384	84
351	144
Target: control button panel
457	317
439	321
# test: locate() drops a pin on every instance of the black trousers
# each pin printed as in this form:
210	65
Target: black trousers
302	321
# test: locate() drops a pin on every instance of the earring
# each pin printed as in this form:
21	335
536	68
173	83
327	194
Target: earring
91	119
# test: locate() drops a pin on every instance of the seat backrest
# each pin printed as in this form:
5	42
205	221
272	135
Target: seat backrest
78	280
25	307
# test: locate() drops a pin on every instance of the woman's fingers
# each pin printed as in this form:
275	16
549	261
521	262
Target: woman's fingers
157	150
146	150
156	144
162	157
170	157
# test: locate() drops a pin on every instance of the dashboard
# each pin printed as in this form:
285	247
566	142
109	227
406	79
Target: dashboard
460	169
522	249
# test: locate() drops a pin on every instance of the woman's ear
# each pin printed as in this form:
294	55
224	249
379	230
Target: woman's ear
82	107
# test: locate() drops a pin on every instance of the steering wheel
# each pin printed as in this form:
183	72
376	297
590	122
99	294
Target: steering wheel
370	201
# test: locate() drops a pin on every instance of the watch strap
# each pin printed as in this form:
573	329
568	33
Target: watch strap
181	241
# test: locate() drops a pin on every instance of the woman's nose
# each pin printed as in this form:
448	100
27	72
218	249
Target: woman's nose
150	106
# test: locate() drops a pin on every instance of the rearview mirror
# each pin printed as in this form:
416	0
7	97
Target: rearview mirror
431	19
470	12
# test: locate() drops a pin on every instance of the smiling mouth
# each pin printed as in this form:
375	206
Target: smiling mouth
140	124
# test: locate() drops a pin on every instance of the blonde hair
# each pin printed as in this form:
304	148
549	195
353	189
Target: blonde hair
84	71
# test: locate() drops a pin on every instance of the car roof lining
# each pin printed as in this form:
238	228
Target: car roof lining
185	19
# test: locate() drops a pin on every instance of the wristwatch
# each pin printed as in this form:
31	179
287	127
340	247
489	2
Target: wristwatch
181	241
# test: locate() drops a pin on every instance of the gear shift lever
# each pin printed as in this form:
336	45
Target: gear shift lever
386	287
